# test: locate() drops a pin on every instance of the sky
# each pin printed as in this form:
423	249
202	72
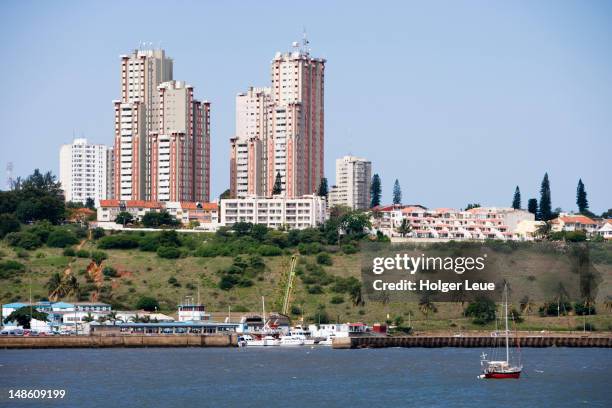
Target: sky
460	100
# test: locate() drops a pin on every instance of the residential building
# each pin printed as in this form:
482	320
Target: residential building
185	212
280	130
276	212
573	222
83	171
606	230
352	188
450	224
162	134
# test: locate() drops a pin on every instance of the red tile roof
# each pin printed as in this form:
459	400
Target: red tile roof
577	219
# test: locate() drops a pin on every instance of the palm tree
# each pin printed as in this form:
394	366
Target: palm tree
102	319
88	318
112	316
426	306
405	228
608	303
55	286
527	305
543	230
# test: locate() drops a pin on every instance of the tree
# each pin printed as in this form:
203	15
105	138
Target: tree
397	192
278	185
124	218
516	201
426	306
482	310
323	188
88	318
545	210
607	214
147	303
154	219
8	223
581	198
532	207
39	197
543	230
90	203
404	228
375	191
472	205
24	315
225	195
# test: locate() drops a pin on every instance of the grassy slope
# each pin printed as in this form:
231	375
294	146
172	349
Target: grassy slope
144	273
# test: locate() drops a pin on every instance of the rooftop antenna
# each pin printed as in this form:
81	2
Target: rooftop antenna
305	43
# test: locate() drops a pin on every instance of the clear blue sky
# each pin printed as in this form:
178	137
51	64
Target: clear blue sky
460	100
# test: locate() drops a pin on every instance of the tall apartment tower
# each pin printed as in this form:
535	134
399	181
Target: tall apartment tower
179	146
135	117
280	130
247	157
83	171
162	134
353	179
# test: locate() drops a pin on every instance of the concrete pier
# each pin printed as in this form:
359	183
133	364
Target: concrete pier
470	341
210	340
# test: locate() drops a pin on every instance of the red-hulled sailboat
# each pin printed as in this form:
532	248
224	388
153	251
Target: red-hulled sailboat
501	368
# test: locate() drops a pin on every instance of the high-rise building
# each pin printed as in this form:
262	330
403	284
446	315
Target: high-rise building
353	179
280	130
83	171
162	134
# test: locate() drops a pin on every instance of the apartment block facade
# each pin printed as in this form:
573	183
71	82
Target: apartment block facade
276	212
353	179
450	224
83	171
280	130
162	134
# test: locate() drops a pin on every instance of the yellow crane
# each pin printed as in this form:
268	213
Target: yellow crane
290	278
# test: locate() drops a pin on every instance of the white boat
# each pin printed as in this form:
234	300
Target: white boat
261	342
292	340
303	334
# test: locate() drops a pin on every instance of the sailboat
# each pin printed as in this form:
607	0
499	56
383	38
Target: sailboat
498	369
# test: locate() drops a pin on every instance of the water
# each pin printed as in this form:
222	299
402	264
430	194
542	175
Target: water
303	377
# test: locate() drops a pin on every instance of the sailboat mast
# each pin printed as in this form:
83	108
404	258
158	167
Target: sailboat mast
506	310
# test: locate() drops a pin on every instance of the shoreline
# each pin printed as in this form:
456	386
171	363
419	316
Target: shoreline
422	340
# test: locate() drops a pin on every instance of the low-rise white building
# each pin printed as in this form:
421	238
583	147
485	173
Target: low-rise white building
277	212
573	222
449	224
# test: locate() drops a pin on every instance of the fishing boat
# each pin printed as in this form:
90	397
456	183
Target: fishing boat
499	369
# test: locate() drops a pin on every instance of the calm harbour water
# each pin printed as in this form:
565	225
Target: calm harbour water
303	377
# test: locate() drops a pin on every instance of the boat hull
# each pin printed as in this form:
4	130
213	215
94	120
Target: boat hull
499	376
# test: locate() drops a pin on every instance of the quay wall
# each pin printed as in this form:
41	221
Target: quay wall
212	340
469	341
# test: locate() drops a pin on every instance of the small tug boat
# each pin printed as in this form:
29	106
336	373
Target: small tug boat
499	369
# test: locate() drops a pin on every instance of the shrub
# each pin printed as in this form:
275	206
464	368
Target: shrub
336	300
310	248
97	233
168	252
149	243
159	219
22	253
25	240
555	308
583	308
8	223
174	282
82	253
61	238
482	310
69	252
349	249
98	256
206	251
269	250
110	272
147	303
119	241
314	289
324	259
296	310
10	267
